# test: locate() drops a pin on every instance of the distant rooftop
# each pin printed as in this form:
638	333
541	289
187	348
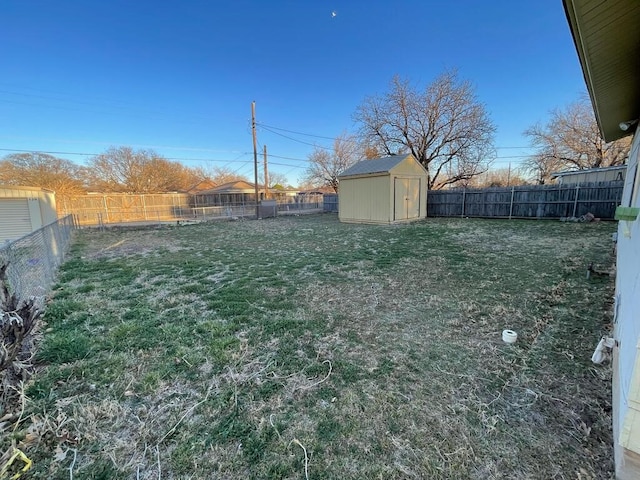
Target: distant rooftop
588	170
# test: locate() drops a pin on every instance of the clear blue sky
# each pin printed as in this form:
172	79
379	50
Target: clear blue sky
179	77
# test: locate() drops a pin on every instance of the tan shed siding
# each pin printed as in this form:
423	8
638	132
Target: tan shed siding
423	197
372	198
48	211
413	170
364	199
15	218
408	167
24	210
379	195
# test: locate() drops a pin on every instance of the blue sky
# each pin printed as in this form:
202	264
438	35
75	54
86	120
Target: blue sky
179	77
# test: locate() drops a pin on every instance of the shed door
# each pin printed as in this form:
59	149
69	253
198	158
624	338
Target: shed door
15	220
406	198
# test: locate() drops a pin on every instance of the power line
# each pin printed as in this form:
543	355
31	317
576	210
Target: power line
289	158
153	147
286	165
296	140
86	154
244	163
293	131
271	127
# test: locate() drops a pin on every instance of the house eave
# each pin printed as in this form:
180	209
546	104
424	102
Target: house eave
605	34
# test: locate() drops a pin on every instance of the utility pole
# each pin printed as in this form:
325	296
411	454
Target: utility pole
255	155
509	175
266	174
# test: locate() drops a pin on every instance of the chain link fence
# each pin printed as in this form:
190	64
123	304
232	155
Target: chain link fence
89	210
34	259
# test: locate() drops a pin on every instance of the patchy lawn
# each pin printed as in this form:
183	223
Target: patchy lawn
301	347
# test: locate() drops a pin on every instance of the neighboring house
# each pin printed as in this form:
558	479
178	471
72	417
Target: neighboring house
201	186
384	190
230	193
23	210
241	193
607	38
318	191
604	174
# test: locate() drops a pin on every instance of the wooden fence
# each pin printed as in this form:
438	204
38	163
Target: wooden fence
330	202
528	201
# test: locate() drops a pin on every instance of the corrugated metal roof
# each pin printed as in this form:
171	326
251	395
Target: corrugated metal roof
369	167
24	187
588	170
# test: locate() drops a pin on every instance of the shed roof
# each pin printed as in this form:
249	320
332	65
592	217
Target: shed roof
587	170
606	37
377	165
23	187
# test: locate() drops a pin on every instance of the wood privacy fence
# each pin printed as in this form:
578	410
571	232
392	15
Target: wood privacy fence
528	201
330	202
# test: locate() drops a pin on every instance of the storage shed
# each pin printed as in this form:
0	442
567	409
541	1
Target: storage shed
23	210
384	190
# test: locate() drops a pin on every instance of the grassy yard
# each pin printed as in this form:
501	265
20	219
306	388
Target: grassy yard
301	347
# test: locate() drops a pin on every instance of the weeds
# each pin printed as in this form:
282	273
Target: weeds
305	348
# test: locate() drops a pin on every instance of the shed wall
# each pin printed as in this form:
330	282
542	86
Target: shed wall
416	176
365	200
24	210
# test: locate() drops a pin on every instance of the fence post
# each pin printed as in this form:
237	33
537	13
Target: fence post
144	207
575	202
464	194
106	209
513	189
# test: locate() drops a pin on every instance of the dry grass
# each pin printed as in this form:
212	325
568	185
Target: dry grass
303	348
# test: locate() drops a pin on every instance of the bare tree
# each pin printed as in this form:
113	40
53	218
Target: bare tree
42	170
571	140
278	179
220	175
123	169
325	166
444	126
120	169
500	177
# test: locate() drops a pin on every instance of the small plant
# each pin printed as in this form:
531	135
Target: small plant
17	319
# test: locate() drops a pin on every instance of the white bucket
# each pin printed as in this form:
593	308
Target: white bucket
509	336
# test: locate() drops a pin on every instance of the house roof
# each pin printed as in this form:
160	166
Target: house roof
201	186
375	166
606	38
587	170
238	186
